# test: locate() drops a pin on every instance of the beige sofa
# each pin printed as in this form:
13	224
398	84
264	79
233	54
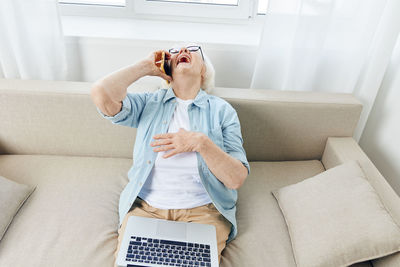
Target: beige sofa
51	136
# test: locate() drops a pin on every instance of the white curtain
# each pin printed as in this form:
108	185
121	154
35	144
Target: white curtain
31	40
328	45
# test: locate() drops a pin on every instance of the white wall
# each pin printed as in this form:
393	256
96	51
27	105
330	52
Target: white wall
90	58
381	137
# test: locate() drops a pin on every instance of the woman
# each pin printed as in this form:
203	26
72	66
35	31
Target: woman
188	154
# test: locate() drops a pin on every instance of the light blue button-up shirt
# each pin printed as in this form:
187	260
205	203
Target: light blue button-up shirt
151	113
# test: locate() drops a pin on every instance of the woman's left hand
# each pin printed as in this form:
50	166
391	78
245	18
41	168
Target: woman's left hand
181	141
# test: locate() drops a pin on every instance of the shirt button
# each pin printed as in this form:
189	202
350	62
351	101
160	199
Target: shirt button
149	161
174	100
140	183
164	122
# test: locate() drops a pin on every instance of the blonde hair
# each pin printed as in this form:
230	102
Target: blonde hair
208	81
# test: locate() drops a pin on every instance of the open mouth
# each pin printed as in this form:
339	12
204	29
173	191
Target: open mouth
183	59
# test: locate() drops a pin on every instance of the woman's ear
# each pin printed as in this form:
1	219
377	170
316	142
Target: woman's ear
203	69
202	72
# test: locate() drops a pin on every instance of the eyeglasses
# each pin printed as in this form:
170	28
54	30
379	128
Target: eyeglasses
192	48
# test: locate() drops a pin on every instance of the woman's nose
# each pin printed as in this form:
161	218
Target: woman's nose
183	50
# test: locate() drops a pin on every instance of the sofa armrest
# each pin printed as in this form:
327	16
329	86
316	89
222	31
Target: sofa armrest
341	149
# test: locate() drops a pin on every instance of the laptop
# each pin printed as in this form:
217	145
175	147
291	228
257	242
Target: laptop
157	242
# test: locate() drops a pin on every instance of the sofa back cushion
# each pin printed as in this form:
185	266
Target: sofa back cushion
59	118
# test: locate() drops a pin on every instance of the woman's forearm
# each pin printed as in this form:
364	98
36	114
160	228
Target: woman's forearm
229	170
115	84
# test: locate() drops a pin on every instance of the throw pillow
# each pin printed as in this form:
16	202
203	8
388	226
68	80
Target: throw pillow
336	219
12	196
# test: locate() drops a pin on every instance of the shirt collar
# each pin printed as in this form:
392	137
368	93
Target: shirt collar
200	100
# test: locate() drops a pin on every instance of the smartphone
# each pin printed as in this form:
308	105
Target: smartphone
164	64
167	67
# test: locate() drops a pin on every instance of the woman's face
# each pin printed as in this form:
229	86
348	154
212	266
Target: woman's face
186	63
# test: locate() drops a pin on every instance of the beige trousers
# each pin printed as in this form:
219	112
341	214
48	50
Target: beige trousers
206	214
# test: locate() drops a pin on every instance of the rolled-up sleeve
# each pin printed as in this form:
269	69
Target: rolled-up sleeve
232	136
131	110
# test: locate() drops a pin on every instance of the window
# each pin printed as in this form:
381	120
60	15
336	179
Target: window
215	2
95	2
189	10
233	10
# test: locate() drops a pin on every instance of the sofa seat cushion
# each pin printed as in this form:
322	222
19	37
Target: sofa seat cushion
72	218
263	238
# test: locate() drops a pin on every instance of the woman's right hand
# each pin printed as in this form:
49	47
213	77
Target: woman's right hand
153	69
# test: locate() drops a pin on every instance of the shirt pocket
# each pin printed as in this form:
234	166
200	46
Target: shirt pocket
216	136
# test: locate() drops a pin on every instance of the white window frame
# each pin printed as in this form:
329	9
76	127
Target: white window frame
70	9
244	13
243	10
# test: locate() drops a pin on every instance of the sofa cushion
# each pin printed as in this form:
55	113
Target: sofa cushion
72	217
76	200
275	124
336	218
12	196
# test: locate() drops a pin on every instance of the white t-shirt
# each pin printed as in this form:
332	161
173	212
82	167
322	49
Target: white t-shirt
174	182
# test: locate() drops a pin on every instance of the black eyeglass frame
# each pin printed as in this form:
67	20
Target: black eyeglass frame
188	47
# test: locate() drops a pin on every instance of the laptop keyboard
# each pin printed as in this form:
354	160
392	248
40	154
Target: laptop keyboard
167	252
